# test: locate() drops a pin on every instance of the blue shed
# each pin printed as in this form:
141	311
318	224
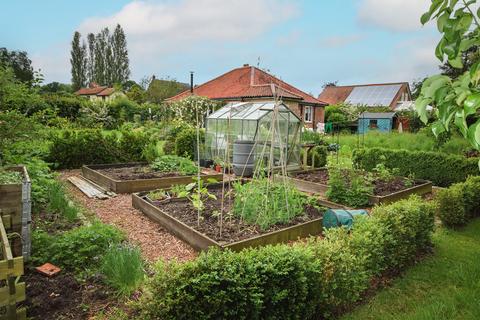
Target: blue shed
380	121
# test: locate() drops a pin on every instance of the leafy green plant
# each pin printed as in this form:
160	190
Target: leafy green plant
123	268
265	202
171	163
79	250
349	187
10	177
196	192
58	201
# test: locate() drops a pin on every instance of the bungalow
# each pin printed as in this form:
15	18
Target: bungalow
249	83
396	96
95	92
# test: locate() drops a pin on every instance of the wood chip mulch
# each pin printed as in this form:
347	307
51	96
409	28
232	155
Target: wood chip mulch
154	241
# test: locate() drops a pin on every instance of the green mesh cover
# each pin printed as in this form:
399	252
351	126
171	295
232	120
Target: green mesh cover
333	218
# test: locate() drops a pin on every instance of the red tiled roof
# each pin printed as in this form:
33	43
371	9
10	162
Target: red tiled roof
338	94
247	82
97	91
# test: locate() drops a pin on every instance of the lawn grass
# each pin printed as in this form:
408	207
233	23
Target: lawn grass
443	286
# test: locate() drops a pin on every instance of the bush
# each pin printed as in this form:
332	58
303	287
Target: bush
442	169
459	203
72	149
264	202
122	267
79	250
319	156
300	281
186	142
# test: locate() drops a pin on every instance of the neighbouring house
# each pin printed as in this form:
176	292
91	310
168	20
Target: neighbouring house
249	83
380	121
95	92
396	96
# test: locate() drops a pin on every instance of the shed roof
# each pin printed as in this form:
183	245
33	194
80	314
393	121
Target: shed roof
377	115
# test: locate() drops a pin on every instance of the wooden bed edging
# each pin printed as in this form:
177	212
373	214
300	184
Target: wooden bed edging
318	188
130	186
200	241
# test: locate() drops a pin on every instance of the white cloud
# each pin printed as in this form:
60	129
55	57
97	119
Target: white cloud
54	63
393	15
341	40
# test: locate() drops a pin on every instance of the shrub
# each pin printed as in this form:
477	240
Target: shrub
58	201
442	169
72	149
319	156
300	281
265	202
79	250
186	142
348	187
122	267
170	163
459	203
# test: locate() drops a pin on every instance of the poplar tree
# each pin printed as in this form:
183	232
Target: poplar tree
91	58
78	62
101	42
121	69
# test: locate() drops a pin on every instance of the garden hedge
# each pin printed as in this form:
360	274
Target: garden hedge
74	148
440	168
310	280
460	203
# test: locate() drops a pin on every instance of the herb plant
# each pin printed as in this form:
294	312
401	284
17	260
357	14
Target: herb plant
171	163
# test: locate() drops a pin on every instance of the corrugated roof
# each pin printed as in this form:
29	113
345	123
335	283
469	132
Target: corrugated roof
247	82
377	115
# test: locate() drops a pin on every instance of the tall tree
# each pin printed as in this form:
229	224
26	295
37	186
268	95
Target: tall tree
19	62
91	58
78	60
101	42
121	69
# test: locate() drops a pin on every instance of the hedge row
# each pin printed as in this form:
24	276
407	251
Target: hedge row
72	149
301	281
440	168
460	203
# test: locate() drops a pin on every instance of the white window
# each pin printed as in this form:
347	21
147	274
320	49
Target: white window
307	113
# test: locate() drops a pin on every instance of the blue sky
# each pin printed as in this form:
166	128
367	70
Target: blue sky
306	43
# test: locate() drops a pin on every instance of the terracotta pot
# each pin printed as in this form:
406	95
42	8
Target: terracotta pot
218	168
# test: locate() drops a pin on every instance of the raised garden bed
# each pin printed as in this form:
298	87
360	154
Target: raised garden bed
316	181
179	217
136	177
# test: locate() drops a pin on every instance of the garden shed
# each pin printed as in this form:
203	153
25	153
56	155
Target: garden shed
380	121
253	121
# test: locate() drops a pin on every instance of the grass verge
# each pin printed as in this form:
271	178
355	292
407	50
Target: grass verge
444	286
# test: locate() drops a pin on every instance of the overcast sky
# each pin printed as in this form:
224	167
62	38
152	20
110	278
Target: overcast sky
306	43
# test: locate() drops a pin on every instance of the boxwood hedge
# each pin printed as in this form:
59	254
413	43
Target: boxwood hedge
440	168
309	280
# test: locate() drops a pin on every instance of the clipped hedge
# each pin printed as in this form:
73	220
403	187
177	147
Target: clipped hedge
460	203
319	156
310	280
72	149
440	168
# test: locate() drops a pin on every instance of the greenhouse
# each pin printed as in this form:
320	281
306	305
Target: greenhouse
272	128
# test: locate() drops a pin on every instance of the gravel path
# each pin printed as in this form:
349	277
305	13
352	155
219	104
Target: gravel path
154	241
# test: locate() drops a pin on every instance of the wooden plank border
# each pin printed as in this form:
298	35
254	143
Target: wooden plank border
321	189
91	172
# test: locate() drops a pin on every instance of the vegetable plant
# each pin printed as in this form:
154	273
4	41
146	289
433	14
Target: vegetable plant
172	163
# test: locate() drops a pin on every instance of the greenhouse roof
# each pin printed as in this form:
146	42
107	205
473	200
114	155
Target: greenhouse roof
248	110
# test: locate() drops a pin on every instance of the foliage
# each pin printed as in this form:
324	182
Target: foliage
311	136
56	87
171	163
58	201
265	202
440	168
78	61
298	281
123	269
15	127
196	192
317	156
161	89
65	105
460	203
186	142
72	149
349	187
10	177
456	100
20	64
190	107
79	250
